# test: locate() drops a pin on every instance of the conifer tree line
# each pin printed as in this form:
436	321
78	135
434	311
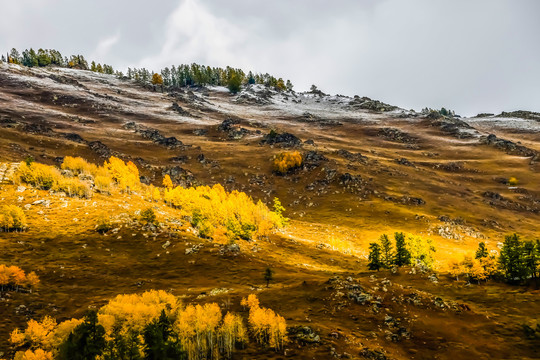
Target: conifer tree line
170	78
517	262
409	250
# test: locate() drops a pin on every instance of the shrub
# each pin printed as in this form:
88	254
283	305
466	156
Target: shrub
73	187
12	218
78	165
103	183
104	224
39	175
47	177
148	216
286	161
512	181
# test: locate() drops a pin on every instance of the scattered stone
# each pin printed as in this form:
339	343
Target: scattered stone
304	334
179	110
353	157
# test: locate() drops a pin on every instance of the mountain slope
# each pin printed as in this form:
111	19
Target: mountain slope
369	169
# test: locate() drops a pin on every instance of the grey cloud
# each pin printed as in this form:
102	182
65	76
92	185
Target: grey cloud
470	56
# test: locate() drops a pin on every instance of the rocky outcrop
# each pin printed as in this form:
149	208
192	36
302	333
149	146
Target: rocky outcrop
284	140
508	146
366	103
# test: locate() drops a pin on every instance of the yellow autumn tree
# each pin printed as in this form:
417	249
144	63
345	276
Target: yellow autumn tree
213	209
157	79
32	280
12	217
125	175
38	334
268	327
134	311
167	182
231	332
38	354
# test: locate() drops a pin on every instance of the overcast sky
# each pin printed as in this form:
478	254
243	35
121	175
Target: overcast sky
468	55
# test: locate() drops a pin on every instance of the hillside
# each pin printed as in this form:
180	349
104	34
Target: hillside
368	168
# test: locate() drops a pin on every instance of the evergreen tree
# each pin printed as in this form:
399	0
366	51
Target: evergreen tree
374	258
251	78
29	58
14	57
86	342
122	346
482	251
289	85
161	343
234	84
43	58
403	256
531	257
268	276
387	253
511	258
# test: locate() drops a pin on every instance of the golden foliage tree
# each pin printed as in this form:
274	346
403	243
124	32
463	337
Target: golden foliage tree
38	354
268	327
125	175
12	217
285	161
214	209
167	182
157	79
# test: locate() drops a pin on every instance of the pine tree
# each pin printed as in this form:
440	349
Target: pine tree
86	342
531	257
268	276
387	254
511	258
403	256
234	84
289	85
374	257
482	251
161	343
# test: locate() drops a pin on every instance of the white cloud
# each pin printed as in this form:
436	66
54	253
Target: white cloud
193	34
103	48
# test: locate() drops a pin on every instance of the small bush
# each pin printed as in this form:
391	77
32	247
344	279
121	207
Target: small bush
73	187
79	166
286	161
103	184
148	216
49	178
39	175
104	224
512	181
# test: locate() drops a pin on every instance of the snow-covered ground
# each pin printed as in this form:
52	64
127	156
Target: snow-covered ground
494	122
